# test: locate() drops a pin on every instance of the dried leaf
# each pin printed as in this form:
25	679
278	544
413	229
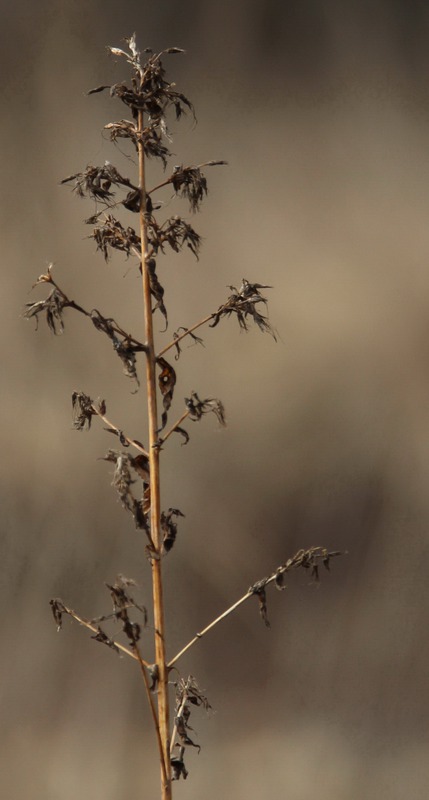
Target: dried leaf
197	407
176	335
123	345
132	631
166	382
102	637
125	129
169	527
83	411
156	290
112	234
53	306
242	302
183	433
178	766
132	201
122	603
175	233
184	736
97	181
98	89
190	183
153	671
58	609
123	482
116	51
279	581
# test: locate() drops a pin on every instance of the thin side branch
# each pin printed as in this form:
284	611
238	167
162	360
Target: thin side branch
174	427
242	306
95	629
308	559
143	666
122	437
188	331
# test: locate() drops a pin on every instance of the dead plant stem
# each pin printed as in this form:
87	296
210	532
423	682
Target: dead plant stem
155	504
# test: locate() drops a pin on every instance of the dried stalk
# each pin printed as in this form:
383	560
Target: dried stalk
155	505
149	97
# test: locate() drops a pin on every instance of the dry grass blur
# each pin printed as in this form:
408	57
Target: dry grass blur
323	117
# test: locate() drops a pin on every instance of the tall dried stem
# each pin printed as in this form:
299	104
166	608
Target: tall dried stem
150	97
155	507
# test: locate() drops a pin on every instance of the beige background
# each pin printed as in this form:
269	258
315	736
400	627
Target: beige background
322	111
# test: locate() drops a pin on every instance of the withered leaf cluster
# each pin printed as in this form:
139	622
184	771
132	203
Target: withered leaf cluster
309	560
243	303
191	184
188	694
153	144
53	306
150	97
123	481
174	232
111	234
150	92
96	182
83	411
124	345
122	603
197	408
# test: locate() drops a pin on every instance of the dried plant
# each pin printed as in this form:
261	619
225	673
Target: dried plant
150	99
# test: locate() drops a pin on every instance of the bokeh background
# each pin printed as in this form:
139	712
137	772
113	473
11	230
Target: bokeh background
322	111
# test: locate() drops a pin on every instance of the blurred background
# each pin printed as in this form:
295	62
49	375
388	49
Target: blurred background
322	111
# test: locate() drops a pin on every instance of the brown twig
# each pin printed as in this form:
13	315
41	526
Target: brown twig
91	627
112	427
303	558
174	427
186	333
239	304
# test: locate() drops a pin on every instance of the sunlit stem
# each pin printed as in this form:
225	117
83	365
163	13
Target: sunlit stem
155	505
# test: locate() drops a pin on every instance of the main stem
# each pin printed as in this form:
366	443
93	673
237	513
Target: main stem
155	507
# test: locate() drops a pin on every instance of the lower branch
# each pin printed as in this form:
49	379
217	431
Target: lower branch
142	663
